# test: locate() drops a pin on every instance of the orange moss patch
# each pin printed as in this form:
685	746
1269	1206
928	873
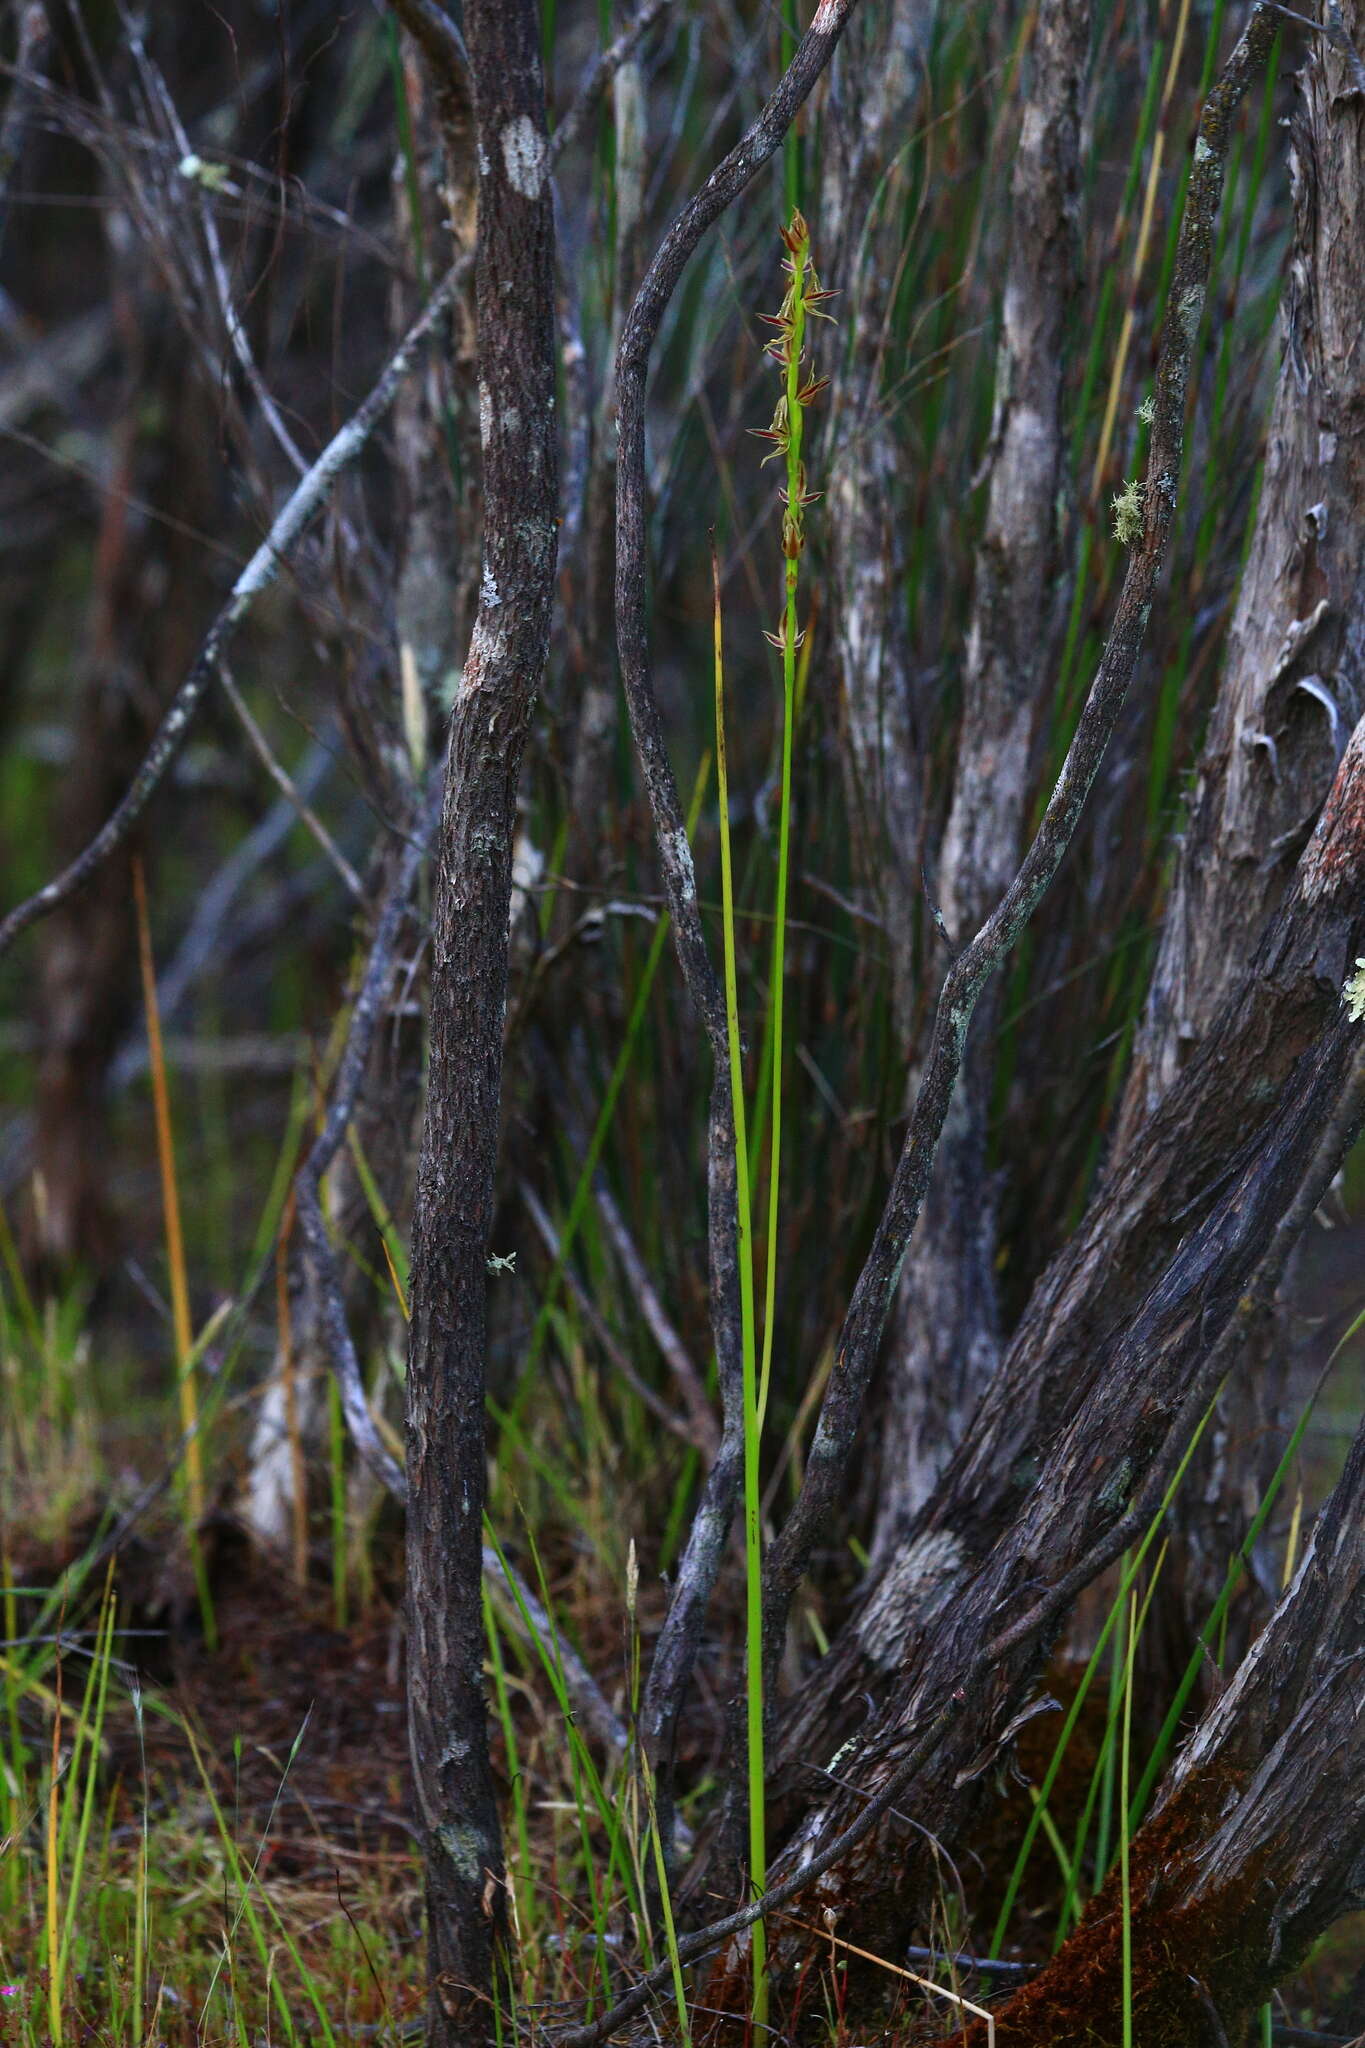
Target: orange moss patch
1190	1962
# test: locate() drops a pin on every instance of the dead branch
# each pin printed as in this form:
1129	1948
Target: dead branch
294	519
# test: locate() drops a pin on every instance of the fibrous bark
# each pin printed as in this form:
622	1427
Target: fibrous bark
1116	1360
967	977
1258	1842
1292	688
453	1210
944	1341
1294	681
874	88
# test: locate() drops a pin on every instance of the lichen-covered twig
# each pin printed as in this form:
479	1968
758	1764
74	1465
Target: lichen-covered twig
320	1259
295	517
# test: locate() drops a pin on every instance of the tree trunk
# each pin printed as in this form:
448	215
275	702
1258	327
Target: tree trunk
1115	1358
1294	681
944	1342
1292	689
453	1211
874	89
1258	1842
1137	1219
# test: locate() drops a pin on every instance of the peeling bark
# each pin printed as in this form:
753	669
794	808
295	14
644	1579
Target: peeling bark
874	88
1292	689
945	1342
1294	683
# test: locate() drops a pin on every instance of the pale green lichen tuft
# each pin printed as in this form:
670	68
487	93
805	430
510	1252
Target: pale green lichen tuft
464	1846
1128	513
1147	411
1353	995
199	171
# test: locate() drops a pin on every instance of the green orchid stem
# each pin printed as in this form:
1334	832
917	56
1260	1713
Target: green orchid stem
800	302
753	1537
793	540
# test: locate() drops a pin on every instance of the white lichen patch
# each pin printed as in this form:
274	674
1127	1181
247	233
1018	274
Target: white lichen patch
913	1574
1202	152
1191	309
463	1847
1033	133
523	152
682	857
489	594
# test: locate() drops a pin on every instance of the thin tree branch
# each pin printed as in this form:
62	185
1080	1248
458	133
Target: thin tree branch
523	1613
600	73
296	515
703	1429
292	795
34	33
552	1241
320	1259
